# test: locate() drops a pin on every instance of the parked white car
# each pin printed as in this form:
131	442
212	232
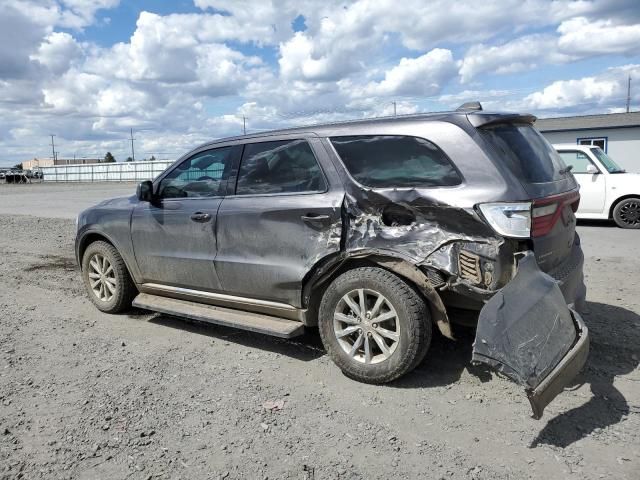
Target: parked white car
606	190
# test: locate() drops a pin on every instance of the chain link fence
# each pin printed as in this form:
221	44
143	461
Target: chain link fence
105	172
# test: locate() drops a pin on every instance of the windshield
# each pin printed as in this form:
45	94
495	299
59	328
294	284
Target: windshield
526	152
606	161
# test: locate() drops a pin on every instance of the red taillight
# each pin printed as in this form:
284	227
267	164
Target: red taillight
545	212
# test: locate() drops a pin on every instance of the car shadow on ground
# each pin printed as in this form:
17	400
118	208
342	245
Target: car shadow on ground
614	350
306	347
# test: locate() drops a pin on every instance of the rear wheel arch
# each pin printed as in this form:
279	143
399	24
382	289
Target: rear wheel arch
318	280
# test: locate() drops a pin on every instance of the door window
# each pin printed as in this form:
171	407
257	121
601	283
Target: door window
579	160
287	166
203	175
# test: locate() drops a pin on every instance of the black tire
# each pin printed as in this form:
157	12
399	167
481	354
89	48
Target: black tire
626	213
124	290
413	318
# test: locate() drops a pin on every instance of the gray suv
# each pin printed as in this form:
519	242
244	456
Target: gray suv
377	232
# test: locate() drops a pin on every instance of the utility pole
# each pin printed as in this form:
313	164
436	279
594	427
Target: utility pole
53	149
628	93
133	155
244	125
394	108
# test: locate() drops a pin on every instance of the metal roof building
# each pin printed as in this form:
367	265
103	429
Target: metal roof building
618	134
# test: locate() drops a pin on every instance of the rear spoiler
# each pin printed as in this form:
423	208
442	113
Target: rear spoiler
483	120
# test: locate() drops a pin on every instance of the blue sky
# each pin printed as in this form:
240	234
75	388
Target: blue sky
186	71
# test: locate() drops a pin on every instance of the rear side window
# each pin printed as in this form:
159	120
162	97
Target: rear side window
526	153
279	167
382	161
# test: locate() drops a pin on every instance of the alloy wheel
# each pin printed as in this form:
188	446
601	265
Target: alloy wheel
366	326
629	212
102	277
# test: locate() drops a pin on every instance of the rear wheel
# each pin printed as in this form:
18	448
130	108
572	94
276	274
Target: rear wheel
106	278
626	213
374	326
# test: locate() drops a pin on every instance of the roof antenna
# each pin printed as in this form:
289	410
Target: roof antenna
470	106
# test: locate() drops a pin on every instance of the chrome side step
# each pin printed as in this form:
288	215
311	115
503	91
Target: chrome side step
254	322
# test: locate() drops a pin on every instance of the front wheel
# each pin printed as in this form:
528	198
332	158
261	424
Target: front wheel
374	326
106	278
626	214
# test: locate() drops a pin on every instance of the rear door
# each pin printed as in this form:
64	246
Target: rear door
174	237
284	217
522	150
592	185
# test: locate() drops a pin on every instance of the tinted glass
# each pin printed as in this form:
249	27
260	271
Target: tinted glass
203	175
578	159
395	161
287	166
525	152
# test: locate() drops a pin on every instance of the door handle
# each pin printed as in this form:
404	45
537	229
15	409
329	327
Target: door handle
315	218
201	217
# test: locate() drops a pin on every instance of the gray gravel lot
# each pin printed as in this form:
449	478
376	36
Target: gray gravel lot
58	200
89	395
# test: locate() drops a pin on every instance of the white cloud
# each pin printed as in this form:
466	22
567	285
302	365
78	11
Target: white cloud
584	37
604	90
187	77
57	52
521	54
424	75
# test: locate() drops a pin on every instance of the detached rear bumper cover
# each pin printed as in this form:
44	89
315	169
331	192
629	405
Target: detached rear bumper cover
527	332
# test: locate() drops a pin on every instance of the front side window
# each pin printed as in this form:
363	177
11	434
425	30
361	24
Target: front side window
578	160
203	175
386	161
287	166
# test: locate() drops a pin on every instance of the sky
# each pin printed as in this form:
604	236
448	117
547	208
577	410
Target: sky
182	72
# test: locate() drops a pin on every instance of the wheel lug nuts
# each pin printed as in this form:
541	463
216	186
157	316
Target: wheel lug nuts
375	325
359	330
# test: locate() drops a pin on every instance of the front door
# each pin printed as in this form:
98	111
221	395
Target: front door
283	218
174	237
592	185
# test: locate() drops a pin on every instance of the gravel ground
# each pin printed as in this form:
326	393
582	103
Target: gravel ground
89	395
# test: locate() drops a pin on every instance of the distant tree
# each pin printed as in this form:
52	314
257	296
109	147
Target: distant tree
152	159
129	159
108	158
18	166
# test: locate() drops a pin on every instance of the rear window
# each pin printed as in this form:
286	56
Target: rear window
395	161
526	152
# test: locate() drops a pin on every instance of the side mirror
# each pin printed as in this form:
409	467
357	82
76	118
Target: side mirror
592	169
144	191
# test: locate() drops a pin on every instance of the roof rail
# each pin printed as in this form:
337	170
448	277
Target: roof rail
473	106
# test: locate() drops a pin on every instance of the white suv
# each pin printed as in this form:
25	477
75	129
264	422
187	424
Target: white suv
606	190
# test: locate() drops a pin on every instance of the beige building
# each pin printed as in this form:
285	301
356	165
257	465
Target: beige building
49	162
